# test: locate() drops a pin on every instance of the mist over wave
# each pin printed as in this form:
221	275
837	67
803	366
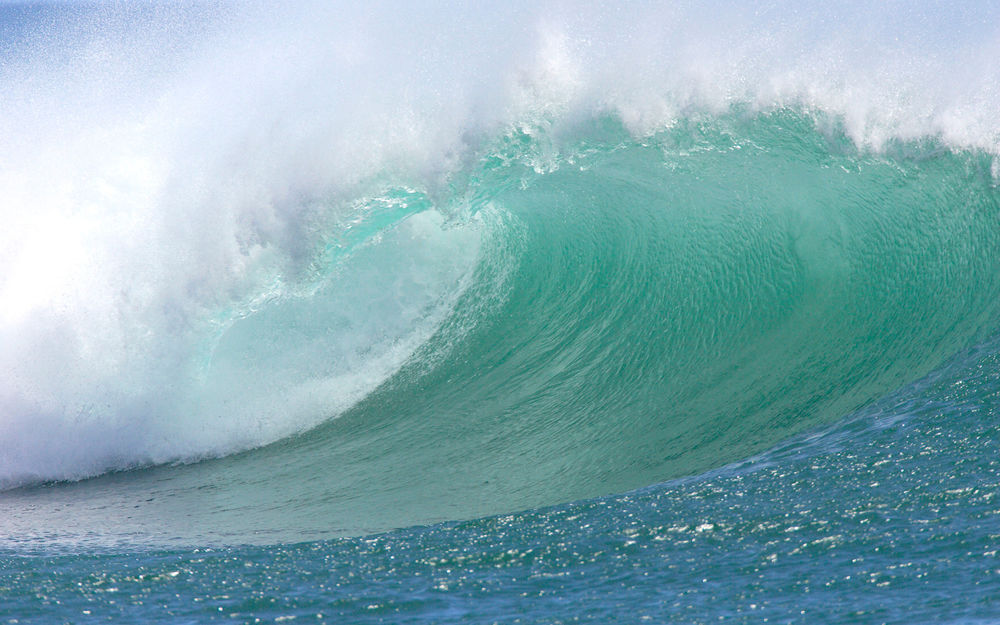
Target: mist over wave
222	225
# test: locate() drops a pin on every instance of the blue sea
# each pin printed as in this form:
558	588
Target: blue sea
541	312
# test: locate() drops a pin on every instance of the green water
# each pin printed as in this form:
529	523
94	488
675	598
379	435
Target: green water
639	311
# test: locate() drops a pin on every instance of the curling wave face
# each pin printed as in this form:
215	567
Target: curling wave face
555	264
621	311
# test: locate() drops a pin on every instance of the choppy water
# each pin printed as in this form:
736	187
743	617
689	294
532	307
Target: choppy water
568	316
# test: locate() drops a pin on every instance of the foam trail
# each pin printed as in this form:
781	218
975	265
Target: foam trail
169	171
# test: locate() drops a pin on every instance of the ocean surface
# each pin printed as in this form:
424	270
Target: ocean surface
537	313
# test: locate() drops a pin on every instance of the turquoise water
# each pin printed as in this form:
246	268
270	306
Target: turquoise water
544	338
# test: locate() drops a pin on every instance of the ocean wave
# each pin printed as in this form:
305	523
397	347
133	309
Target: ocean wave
586	257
